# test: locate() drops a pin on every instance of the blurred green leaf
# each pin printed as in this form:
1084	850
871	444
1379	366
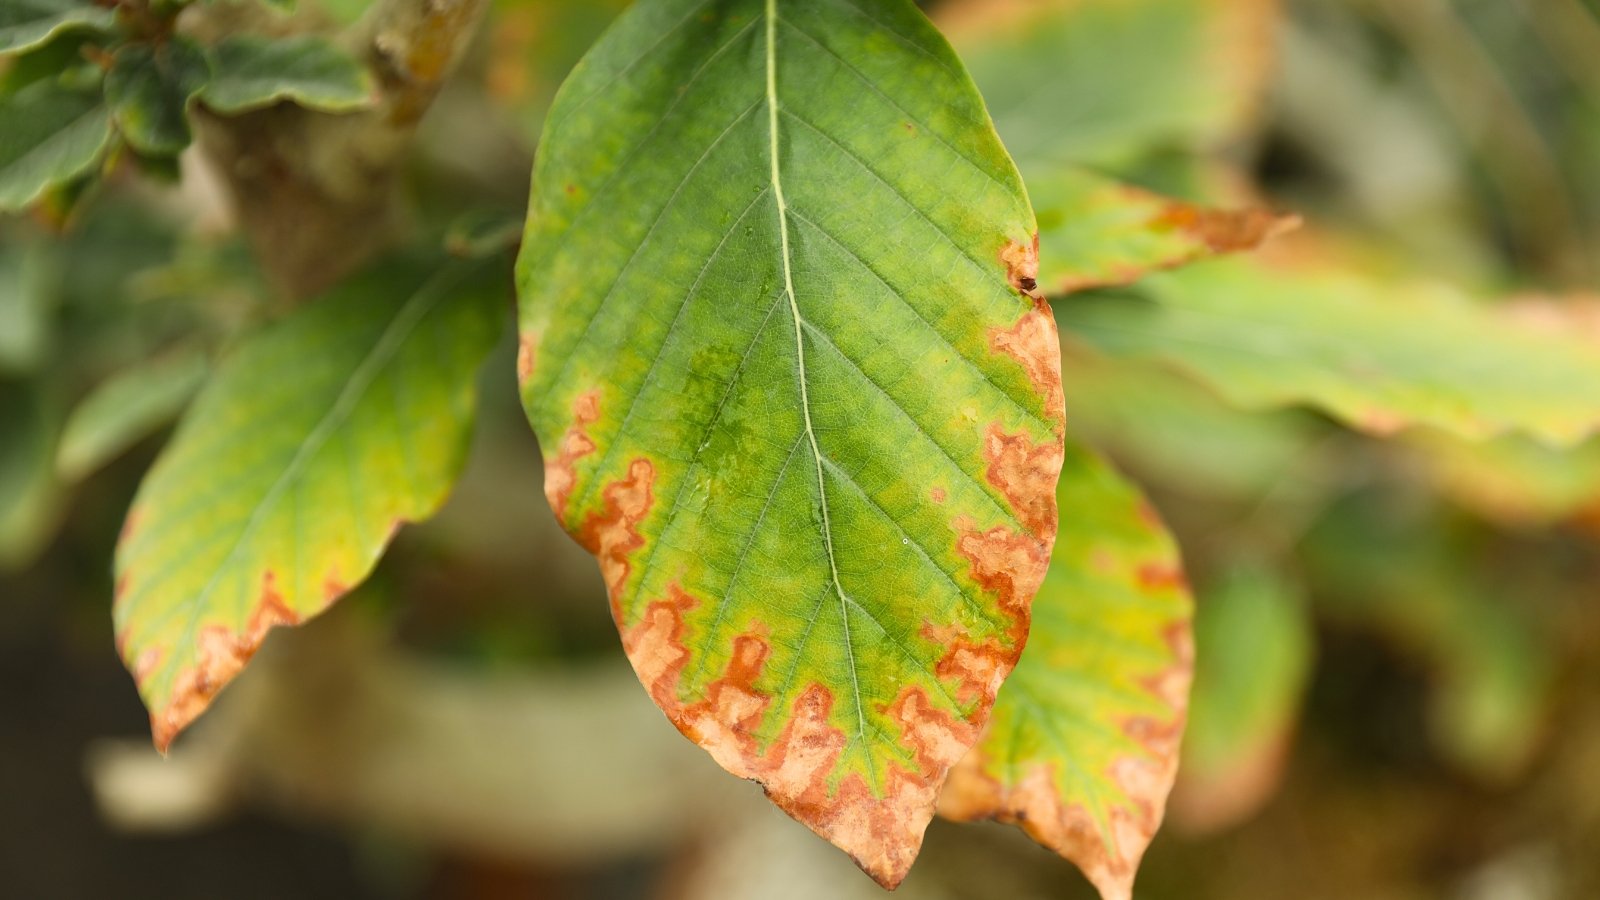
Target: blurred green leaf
1514	479
1168	428
51	131
1107	82
126	407
313	442
250	72
791	394
1083	744
1379	356
25	24
1254	648
149	88
28	489
27	301
1077	86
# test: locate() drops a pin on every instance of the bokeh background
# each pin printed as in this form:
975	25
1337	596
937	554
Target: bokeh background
1399	637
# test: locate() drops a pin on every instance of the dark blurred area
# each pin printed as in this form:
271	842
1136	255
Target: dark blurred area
1399	639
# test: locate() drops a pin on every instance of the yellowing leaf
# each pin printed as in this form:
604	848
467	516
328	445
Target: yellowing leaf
1377	355
1083	745
1097	232
1081	87
313	442
779	347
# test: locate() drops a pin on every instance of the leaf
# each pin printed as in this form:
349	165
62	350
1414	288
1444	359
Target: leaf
1167	428
1083	745
250	72
51	131
25	24
1107	82
778	346
149	89
1379	356
29	495
27	302
1513	479
1255	652
126	407
1097	232
313	442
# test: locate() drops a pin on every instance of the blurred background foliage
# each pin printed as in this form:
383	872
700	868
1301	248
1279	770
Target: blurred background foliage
1398	629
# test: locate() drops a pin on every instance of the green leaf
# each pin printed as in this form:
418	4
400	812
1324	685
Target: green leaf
1255	645
51	131
313	442
1513	479
1095	231
126	407
250	72
27	302
777	345
1107	82
29	495
1083	745
1125	80
1167	428
25	24
149	89
1379	356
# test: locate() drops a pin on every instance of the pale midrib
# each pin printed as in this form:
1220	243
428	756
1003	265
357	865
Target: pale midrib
800	351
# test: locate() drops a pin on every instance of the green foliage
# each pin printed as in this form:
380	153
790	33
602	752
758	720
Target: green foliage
27	489
149	90
51	131
808	469
785	344
26	24
1254	650
126	407
251	72
313	442
1083	745
1380	358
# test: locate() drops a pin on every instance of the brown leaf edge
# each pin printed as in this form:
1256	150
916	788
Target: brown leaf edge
881	834
1034	801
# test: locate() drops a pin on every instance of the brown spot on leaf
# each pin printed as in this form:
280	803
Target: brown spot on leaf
559	475
1032	342
334	587
1022	265
1223	230
937	495
1161	576
612	533
219	655
1025	473
527	355
1009	565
